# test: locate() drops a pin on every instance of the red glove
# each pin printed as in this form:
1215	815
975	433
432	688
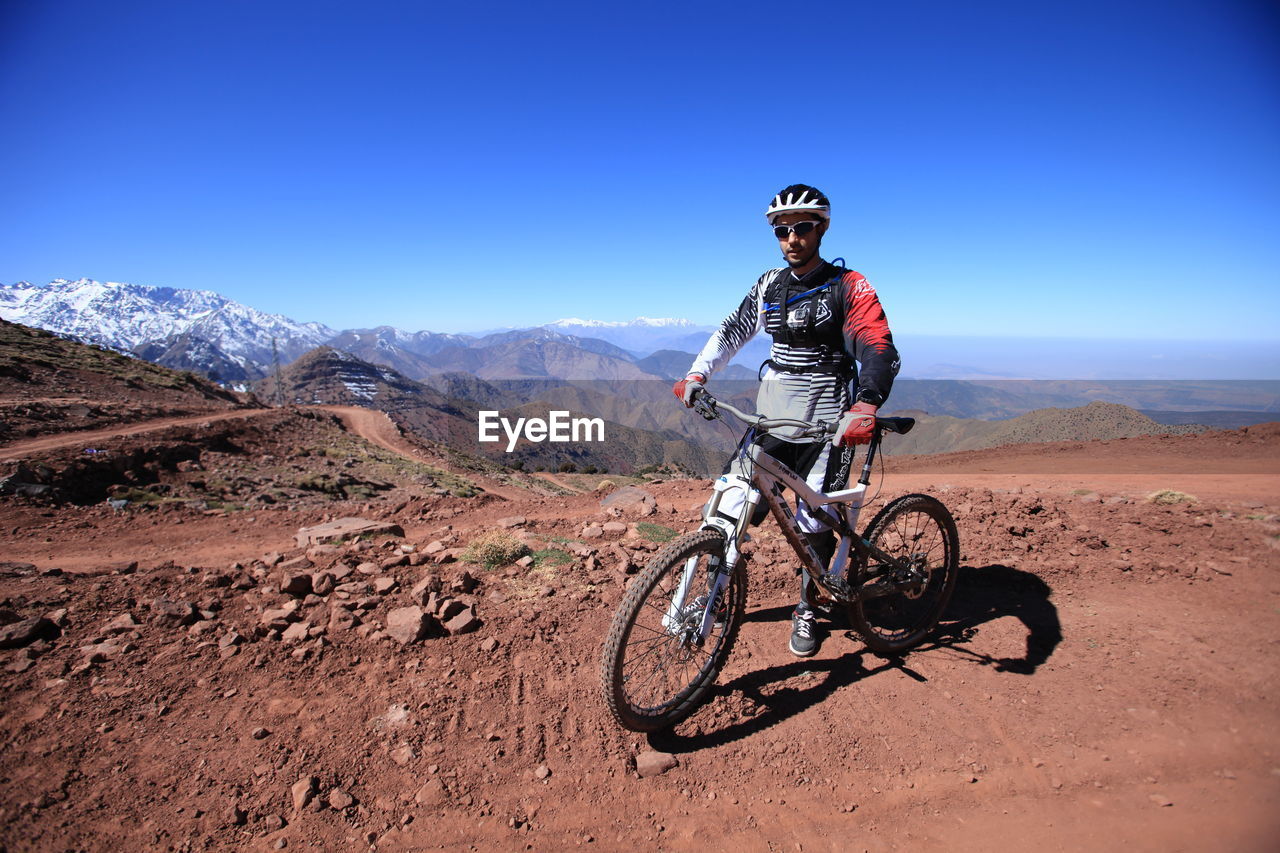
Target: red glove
687	387
857	425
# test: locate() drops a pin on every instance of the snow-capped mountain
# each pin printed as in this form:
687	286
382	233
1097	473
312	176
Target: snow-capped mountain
639	322
641	336
132	318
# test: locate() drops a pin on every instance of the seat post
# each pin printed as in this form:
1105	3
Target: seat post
874	445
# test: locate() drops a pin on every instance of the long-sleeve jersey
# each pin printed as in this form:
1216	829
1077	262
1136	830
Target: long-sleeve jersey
842	323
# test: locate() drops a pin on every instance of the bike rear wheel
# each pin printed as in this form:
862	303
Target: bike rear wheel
653	672
897	607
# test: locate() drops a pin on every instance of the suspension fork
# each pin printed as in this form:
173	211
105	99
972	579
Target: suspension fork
720	569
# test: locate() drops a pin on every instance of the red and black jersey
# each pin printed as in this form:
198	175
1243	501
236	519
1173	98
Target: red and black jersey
831	342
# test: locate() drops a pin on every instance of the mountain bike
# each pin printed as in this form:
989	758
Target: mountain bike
680	616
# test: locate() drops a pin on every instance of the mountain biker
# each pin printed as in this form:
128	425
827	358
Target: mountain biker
822	318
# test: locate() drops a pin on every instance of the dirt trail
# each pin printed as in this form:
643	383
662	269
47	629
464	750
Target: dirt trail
1106	679
377	428
42	444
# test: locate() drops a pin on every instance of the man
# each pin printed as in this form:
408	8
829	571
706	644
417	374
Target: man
822	318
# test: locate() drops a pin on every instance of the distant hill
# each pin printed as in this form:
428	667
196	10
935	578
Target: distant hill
945	434
52	384
447	412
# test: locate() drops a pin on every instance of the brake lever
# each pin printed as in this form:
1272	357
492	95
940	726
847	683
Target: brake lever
706	407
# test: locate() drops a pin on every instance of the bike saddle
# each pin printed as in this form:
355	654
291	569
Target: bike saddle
901	426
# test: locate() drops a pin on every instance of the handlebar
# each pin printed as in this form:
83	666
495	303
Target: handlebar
709	407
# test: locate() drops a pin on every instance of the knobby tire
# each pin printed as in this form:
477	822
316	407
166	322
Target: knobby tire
651	679
918	529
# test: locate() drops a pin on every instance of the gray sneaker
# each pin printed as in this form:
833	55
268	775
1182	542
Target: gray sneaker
804	634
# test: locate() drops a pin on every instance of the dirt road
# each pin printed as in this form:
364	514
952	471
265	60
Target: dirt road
1106	679
87	438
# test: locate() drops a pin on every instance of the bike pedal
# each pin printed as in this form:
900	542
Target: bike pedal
836	586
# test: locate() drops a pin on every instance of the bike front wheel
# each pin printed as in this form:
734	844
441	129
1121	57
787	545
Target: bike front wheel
655	670
899	603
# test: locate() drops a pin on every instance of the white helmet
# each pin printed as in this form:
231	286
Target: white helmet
799	198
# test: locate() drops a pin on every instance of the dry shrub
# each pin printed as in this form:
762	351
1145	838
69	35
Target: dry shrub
494	548
1168	497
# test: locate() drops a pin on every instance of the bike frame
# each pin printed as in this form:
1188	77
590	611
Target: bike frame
769	480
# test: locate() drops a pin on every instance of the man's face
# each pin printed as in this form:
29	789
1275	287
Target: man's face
796	249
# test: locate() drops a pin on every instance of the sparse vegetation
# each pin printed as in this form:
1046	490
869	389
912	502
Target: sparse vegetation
1168	497
493	549
655	532
551	557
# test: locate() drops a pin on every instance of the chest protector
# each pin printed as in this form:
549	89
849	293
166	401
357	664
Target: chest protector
804	316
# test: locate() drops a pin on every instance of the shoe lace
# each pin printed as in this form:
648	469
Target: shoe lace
803	626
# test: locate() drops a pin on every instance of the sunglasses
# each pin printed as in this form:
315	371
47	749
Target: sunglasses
799	229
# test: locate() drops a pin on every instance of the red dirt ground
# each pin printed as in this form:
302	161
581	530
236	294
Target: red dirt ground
1106	678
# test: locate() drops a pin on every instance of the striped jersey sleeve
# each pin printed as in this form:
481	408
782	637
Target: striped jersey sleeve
734	332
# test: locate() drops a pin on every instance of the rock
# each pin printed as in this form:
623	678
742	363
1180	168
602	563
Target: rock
237	816
297	564
489	644
341	619
216	579
323	583
542	772
295	583
423	589
273	822
260	733
408	624
340	799
171	614
463	623
345	528
525	562
1160	800
466	583
403	754
382	586
302	791
614	528
625	565
368	568
431	794
448	608
295	633
278	614
26	631
434	547
630	500
654	763
512	521
592	531
394	562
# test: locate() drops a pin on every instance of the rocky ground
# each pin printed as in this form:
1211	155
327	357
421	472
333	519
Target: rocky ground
205	669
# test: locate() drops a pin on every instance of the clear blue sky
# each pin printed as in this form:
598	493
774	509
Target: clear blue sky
1065	168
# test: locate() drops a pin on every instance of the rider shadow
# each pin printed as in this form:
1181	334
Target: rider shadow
982	595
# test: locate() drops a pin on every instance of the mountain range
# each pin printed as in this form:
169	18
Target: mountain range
236	345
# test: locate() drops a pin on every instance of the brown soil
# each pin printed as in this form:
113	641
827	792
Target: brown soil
1106	676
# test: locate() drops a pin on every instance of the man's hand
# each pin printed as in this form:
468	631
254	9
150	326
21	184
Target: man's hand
687	387
857	425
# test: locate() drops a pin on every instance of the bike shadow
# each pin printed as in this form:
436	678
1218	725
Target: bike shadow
983	594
